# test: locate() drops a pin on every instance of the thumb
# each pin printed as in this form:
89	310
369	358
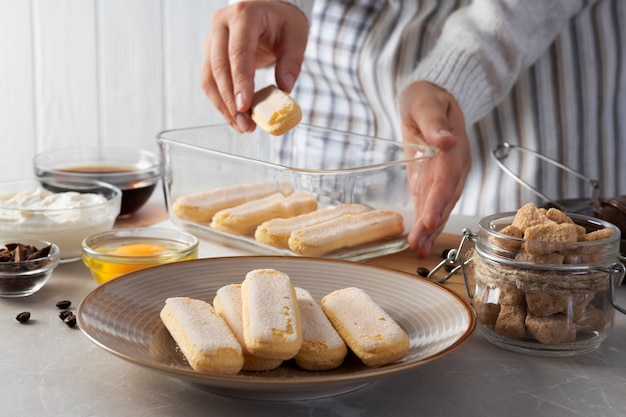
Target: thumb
427	110
432	121
291	49
287	71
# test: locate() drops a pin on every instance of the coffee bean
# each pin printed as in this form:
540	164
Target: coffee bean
23	317
448	267
65	313
70	320
445	253
423	271
64	304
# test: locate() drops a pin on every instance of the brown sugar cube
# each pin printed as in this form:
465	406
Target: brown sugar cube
511	245
580	229
573	257
486	309
592	319
541	303
584	255
510	295
529	215
596	235
580	304
540	238
551	329
487	313
559	217
590	254
510	322
553	258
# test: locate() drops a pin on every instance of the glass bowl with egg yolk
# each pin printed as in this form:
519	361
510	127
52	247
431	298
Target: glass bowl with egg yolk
117	252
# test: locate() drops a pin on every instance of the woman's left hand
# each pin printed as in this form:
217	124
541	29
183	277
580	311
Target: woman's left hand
432	116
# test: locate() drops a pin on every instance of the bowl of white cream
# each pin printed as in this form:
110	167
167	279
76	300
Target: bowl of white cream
60	211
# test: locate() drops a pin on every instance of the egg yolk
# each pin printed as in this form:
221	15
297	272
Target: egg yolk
104	271
139	249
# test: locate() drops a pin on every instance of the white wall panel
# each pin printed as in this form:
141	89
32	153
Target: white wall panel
98	72
65	72
17	105
131	71
186	25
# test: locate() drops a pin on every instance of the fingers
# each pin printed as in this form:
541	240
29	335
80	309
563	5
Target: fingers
433	214
229	66
246	36
290	54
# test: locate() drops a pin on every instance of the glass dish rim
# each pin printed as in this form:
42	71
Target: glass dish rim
46	169
427	151
191	241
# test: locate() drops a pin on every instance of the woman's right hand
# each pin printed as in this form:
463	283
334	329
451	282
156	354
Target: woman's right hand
246	36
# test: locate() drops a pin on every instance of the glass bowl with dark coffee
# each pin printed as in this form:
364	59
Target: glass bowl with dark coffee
136	172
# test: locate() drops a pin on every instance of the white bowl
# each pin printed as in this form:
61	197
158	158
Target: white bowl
36	209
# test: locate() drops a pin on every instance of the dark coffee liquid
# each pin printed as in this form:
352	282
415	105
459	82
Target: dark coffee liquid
105	169
134	194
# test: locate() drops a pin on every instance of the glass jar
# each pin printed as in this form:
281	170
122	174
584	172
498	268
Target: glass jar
542	297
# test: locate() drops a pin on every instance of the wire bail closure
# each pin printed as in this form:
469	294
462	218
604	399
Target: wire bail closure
502	151
452	258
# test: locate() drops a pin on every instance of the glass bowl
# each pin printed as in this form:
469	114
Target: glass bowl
333	167
135	172
23	272
62	211
111	254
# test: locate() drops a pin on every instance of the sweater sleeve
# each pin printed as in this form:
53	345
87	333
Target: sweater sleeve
484	47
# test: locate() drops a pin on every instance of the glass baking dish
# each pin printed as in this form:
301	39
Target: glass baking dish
334	166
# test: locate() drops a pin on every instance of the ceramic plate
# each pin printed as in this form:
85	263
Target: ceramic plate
122	316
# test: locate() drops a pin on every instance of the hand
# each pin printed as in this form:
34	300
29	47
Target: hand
433	117
246	36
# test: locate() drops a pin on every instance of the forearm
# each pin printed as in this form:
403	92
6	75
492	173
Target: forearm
485	46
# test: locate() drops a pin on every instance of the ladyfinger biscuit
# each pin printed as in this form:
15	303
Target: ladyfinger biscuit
243	219
366	328
322	347
346	231
271	319
276	232
275	111
201	207
202	336
227	304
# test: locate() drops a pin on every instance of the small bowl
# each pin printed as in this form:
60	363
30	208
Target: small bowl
27	211
135	172
111	254
19	279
